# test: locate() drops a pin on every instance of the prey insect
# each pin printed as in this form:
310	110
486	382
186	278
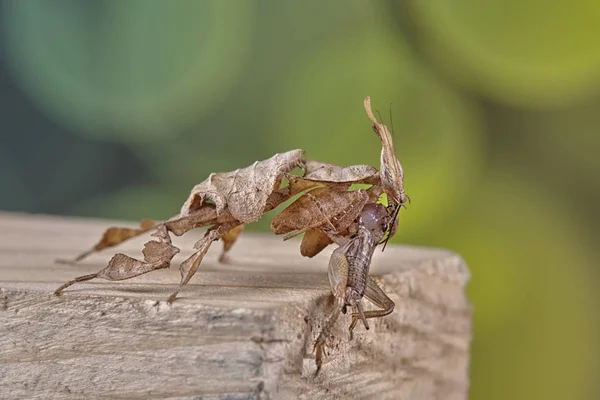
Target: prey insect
349	274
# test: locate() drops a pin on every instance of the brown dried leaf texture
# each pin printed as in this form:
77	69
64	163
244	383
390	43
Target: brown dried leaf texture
313	242
244	192
113	236
117	235
392	175
325	172
204	216
328	210
229	239
157	255
334	176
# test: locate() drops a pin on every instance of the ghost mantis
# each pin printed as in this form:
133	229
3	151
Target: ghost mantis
327	211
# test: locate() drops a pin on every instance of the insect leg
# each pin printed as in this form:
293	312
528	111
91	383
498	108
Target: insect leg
378	297
362	315
338	272
157	255
112	237
338	278
73	281
189	267
325	332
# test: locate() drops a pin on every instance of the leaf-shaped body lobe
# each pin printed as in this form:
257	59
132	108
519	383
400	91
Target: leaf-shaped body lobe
121	267
334	176
298	184
157	254
325	172
321	208
313	242
244	192
115	235
231	236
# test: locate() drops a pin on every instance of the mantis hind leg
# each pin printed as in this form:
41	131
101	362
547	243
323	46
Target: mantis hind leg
378	297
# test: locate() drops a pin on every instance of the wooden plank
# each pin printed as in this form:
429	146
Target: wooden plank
242	330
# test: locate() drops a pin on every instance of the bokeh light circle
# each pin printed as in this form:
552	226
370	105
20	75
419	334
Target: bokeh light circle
530	53
140	70
533	300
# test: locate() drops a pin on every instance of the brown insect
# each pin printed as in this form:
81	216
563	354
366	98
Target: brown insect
349	273
327	212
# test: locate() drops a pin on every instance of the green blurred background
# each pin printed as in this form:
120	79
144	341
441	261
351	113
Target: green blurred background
117	108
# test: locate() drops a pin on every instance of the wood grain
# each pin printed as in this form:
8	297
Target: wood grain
241	330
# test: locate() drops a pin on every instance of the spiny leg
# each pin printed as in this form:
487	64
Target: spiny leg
325	333
378	297
362	315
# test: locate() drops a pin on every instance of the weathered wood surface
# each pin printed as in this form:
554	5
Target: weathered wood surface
243	330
